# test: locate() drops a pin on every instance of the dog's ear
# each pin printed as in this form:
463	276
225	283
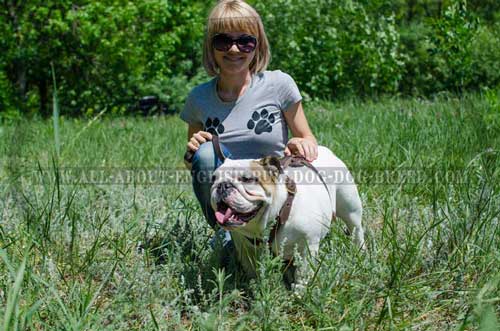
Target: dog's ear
272	165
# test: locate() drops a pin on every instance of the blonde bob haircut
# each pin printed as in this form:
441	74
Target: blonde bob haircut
235	16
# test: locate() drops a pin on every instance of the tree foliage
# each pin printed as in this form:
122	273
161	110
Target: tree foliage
108	54
333	48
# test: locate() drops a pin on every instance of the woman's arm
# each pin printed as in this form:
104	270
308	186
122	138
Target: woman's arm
196	137
303	141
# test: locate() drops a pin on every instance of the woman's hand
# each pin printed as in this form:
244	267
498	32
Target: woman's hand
197	139
306	147
303	142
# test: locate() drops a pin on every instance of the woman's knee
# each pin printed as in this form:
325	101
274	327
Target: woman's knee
204	158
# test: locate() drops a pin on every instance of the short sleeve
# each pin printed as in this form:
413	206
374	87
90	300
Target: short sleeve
190	114
287	90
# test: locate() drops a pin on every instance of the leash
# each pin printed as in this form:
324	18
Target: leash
217	149
188	156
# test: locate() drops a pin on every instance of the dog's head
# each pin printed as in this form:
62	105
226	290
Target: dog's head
246	192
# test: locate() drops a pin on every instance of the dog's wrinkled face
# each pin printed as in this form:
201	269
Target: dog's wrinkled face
241	191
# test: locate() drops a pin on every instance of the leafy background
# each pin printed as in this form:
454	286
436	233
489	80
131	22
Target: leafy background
83	255
108	54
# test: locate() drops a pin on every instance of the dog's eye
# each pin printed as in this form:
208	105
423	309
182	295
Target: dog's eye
246	179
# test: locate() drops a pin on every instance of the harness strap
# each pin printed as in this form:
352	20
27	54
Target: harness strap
284	213
289	161
188	156
217	149
291	188
296	161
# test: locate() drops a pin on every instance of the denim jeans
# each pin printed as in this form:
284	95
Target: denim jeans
205	161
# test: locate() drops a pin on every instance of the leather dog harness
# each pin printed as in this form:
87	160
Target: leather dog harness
293	161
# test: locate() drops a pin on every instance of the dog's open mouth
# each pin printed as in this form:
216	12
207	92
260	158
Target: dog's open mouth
229	217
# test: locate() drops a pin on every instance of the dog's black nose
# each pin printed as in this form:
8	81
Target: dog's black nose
223	188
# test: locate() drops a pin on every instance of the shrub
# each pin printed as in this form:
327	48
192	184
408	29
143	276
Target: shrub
486	57
452	53
135	49
106	53
418	77
451	43
111	53
173	90
333	48
7	109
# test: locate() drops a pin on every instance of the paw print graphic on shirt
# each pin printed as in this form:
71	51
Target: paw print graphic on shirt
261	122
214	126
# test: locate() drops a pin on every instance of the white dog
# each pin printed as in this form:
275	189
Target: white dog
248	195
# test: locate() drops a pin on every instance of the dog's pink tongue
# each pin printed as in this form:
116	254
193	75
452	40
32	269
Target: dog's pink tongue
222	218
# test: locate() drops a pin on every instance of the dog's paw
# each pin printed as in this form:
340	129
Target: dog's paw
261	122
298	290
214	126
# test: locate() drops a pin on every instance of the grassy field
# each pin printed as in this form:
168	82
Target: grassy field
101	238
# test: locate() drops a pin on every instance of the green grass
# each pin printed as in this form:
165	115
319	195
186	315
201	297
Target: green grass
86	256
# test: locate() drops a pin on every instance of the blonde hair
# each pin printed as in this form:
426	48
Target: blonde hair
235	16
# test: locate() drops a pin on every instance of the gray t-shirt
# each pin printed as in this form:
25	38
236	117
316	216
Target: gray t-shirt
253	126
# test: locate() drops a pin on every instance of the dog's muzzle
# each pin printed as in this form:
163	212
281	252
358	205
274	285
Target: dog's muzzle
227	213
224	189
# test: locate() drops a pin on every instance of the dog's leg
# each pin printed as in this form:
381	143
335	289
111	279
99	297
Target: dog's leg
246	253
349	209
304	269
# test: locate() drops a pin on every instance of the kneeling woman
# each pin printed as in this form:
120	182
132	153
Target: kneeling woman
248	108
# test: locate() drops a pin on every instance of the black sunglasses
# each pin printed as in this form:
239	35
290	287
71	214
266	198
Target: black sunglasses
223	42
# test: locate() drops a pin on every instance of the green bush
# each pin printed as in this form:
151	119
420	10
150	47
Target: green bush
136	49
7	109
333	48
452	53
108	54
105	53
486	57
173	90
451	43
420	64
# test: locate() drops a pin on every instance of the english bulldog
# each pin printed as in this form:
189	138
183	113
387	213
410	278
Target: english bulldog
248	195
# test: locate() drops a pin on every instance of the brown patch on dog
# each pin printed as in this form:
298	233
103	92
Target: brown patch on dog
266	173
272	164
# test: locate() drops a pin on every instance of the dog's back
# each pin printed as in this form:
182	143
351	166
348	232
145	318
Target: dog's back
346	197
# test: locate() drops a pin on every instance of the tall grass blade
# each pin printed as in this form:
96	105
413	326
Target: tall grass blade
55	113
89	124
153	318
12	307
489	320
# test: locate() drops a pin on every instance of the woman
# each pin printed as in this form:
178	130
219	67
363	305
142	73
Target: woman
250	109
